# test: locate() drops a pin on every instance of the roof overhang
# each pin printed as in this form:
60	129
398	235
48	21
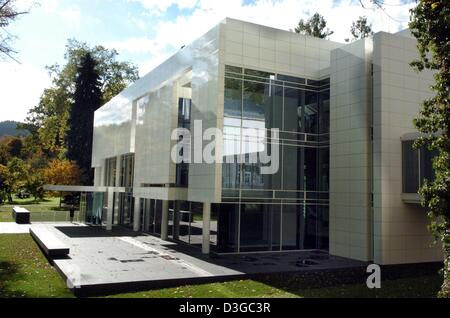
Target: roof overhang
61	188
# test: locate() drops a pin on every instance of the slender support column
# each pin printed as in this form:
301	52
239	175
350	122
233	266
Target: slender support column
117	209
165	221
176	220
206	227
137	214
109	211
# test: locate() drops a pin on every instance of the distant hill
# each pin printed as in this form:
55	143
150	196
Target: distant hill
9	128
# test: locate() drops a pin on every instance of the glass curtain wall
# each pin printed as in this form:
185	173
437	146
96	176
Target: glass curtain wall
184	121
126	202
287	209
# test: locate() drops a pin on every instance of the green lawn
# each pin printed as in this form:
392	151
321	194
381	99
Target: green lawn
417	287
24	272
47	210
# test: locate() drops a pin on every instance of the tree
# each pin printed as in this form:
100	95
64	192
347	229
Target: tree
87	99
35	184
49	120
8	14
315	26
14	147
4	155
360	29
4	186
62	172
430	25
12	178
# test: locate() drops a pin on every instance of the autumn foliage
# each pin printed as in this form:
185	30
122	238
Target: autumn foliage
62	172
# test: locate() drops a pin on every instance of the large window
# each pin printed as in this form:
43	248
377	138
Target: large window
184	121
299	108
251	227
110	172
127	171
286	210
417	167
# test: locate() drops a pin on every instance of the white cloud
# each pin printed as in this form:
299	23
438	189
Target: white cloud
71	15
282	14
21	87
157	7
48	6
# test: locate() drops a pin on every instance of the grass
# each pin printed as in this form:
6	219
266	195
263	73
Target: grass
44	210
425	286
24	272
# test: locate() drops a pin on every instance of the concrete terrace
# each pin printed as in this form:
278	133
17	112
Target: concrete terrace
102	262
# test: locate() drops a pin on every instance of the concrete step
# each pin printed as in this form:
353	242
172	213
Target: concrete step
49	243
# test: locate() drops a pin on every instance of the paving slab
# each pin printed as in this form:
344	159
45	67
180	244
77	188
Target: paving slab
14	228
119	261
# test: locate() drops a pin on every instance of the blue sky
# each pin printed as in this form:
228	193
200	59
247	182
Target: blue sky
146	32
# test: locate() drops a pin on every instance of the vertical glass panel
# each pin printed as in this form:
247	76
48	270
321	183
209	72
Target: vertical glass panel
292	172
157	216
294	100
305	227
127	171
259	227
275	244
324	169
228	228
323	227
324	118
126	209
310	170
410	168
110	172
258	103
233	97
311	112
290	227
231	168
184	121
309	217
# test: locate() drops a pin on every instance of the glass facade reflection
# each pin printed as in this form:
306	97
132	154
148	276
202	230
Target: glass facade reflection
287	210
417	166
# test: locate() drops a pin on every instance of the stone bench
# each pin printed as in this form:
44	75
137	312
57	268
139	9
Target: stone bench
48	242
21	215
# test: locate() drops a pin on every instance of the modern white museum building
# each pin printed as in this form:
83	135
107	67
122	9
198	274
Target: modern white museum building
346	176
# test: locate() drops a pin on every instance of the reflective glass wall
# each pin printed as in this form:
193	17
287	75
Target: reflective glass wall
287	209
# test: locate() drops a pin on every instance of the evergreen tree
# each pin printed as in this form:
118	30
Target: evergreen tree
316	26
360	29
86	99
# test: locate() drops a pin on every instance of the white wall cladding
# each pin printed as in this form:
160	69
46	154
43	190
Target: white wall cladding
272	50
400	230
115	131
350	117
